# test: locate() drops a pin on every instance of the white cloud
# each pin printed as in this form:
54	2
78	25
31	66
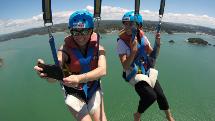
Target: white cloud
10	25
108	13
202	20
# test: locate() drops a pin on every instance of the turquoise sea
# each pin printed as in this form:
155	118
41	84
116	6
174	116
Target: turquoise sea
186	73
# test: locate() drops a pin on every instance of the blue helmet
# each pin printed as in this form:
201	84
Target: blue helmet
129	16
81	19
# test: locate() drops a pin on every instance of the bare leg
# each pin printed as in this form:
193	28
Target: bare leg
137	116
99	114
169	115
86	118
78	116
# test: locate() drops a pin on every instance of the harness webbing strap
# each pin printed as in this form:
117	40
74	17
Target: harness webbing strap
134	33
53	49
133	72
85	67
161	12
47	13
162	5
47	18
136	12
84	62
93	89
137	63
137	6
156	49
97	14
97	8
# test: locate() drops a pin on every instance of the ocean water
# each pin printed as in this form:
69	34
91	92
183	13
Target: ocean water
186	74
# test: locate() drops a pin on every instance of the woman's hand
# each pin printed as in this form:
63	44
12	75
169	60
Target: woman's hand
39	72
133	46
158	37
39	69
71	81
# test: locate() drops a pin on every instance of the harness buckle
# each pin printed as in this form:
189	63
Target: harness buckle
139	71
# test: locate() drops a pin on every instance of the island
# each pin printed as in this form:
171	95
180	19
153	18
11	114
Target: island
172	41
197	41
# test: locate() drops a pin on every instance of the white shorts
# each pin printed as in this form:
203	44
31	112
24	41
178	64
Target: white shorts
150	79
80	107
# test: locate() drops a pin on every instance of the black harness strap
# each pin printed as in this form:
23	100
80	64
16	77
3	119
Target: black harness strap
136	12
162	5
156	49
161	12
97	8
47	13
137	6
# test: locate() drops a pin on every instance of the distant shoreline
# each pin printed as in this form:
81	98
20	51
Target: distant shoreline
108	26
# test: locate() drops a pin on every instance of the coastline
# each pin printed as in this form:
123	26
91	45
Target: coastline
113	26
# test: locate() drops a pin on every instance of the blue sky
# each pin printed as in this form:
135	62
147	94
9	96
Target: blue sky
17	11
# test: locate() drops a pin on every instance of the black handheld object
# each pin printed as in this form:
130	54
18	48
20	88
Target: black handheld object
52	71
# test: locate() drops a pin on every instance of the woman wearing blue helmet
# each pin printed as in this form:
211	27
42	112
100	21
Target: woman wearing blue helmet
83	62
137	67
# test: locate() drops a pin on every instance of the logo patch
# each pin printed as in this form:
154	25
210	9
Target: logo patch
79	25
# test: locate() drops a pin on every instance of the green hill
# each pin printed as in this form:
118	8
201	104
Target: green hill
107	26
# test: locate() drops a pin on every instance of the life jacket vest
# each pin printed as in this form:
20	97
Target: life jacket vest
80	63
127	38
140	63
74	66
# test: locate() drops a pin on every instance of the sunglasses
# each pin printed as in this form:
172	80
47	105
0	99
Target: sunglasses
128	24
80	32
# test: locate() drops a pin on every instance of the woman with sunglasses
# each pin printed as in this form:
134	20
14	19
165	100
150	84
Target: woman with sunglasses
135	59
83	62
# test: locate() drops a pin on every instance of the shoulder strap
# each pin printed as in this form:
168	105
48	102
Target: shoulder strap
84	62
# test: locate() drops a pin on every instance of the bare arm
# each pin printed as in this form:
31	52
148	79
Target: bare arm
157	42
154	54
62	57
126	60
97	73
148	46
